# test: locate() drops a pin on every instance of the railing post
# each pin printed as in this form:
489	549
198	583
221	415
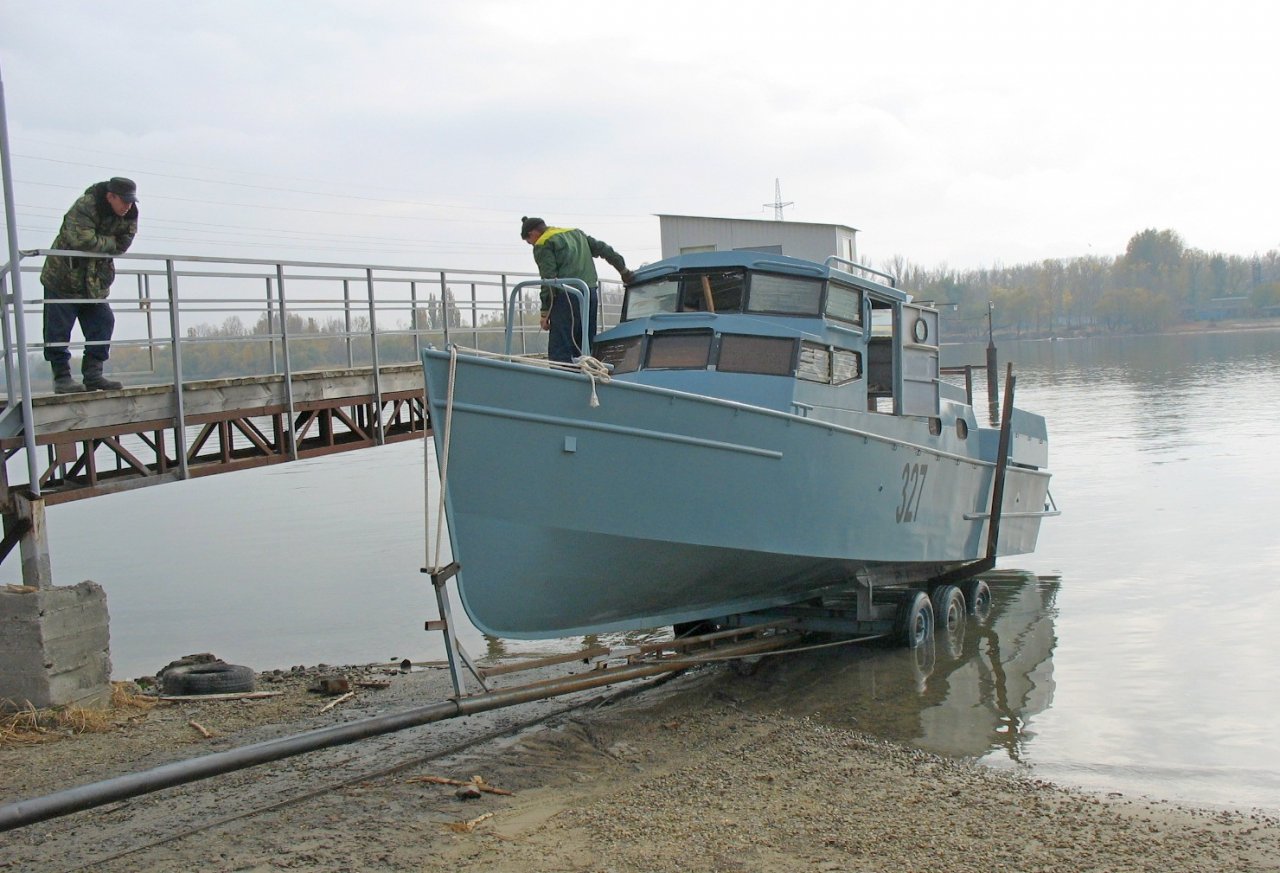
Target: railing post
444	307
179	407
413	320
475	319
290	434
346	320
144	300
19	321
505	310
380	435
271	327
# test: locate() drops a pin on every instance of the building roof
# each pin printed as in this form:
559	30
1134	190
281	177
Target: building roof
759	221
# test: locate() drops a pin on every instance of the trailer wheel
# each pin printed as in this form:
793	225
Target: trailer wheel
948	608
915	622
977	598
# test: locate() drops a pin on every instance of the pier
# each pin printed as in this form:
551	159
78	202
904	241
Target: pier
227	364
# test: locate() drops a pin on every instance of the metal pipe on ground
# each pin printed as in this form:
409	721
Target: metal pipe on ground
60	803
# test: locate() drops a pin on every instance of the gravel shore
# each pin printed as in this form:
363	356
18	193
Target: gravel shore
705	773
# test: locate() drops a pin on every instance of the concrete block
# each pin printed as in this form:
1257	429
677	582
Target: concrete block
55	647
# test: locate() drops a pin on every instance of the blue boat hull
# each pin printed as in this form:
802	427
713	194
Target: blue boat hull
659	506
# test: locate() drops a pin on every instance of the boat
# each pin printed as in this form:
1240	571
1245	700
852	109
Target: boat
758	433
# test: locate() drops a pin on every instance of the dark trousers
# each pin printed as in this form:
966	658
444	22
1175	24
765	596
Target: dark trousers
565	342
97	322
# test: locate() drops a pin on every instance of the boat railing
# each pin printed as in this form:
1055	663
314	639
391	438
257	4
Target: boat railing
575	287
836	260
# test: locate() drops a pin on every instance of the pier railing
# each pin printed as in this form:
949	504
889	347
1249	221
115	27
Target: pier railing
185	319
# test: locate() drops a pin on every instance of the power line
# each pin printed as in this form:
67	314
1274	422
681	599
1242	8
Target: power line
282	190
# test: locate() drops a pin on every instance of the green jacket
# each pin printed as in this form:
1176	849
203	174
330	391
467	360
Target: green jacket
567	253
90	225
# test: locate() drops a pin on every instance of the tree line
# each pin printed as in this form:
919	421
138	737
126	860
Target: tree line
1157	282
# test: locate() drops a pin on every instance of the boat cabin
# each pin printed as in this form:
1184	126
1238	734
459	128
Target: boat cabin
720	323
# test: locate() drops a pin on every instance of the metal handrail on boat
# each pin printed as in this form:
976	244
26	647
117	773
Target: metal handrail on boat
570	286
836	259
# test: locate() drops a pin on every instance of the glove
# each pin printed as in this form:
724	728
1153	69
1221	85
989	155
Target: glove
628	277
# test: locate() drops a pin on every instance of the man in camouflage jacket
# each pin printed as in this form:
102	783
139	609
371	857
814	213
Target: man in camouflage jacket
568	253
103	220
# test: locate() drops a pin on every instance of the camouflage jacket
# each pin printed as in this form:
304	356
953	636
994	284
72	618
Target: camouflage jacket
568	253
90	225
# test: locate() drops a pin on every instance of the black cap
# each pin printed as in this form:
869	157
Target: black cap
123	188
527	224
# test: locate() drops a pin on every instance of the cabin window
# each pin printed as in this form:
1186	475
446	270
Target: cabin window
815	363
881	319
789	295
680	350
845	366
766	355
713	292
623	355
844	303
651	298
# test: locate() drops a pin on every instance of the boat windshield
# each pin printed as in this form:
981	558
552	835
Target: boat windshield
716	291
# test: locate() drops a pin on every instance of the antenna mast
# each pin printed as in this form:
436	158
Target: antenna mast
777	203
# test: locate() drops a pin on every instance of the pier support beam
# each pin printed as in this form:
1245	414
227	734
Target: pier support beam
54	642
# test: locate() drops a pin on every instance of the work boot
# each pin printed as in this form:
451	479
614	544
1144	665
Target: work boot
62	381
93	378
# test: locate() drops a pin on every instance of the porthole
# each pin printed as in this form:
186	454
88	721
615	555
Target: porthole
962	428
920	330
935	426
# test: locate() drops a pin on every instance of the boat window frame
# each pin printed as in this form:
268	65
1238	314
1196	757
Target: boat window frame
820	300
627	344
683	282
859	295
657	338
792	357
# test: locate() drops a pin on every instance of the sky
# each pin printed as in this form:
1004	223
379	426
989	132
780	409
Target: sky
951	134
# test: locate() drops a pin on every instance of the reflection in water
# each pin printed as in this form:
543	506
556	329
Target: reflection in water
968	693
983	692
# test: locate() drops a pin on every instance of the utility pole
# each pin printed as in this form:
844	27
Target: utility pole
777	203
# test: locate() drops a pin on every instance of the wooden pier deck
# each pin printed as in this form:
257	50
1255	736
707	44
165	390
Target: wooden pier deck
101	442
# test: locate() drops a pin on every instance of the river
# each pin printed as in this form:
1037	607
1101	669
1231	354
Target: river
1135	651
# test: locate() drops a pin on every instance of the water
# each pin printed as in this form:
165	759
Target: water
1137	653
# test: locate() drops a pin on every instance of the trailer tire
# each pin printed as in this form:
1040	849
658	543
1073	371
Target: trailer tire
977	598
215	678
915	621
948	608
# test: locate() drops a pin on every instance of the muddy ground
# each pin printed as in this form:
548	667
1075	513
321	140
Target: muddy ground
710	771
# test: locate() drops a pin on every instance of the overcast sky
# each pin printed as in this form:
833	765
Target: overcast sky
964	134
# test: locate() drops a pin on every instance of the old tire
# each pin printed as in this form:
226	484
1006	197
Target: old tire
977	598
215	678
915	620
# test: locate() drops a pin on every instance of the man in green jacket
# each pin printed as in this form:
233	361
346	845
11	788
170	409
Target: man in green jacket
568	253
104	220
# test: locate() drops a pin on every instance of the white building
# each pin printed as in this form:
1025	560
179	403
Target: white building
682	234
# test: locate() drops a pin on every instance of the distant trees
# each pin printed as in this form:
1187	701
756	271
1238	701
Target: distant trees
1158	281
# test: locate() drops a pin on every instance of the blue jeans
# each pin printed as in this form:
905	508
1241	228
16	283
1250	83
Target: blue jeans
565	342
97	323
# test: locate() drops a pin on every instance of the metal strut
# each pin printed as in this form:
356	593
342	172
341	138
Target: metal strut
452	647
